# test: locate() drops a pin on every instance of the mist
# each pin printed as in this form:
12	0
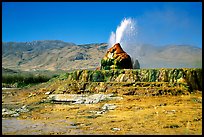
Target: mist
160	39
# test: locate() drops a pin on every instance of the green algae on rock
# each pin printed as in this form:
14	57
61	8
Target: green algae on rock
116	58
131	81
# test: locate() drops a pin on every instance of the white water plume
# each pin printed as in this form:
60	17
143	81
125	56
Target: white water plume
141	46
125	33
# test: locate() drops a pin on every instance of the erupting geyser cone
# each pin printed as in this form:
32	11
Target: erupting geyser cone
116	58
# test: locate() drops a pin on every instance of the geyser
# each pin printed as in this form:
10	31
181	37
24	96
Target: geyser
125	35
116	58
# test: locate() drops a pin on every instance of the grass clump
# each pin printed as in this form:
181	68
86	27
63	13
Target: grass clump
19	80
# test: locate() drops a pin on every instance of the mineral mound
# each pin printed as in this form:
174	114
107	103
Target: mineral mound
116	58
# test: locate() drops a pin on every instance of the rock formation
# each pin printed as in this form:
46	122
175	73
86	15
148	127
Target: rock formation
136	64
129	82
116	58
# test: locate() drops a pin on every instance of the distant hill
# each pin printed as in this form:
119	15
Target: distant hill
172	56
51	55
59	55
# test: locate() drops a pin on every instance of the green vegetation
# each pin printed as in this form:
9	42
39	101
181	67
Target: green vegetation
188	78
19	79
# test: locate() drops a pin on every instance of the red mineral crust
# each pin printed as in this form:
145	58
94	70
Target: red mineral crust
116	58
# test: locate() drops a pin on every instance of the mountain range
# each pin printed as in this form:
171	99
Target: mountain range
59	55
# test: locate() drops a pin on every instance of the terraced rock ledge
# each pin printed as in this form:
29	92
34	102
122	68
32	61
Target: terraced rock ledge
148	82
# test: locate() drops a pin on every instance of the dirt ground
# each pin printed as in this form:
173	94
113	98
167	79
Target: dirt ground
134	115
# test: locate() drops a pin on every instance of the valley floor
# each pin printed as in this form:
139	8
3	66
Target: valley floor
133	115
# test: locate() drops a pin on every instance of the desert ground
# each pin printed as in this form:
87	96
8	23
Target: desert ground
132	115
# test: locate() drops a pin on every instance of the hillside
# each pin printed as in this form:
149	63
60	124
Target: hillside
58	55
51	55
171	56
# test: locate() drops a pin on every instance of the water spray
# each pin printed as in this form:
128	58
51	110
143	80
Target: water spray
126	34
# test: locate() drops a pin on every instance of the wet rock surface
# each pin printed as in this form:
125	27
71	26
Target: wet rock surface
81	99
187	78
116	58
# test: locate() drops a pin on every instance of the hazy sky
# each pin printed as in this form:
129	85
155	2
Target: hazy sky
159	23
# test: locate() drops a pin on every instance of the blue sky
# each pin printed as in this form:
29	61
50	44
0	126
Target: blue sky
159	23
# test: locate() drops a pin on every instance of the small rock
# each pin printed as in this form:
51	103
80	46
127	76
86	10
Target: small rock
47	93
15	115
109	107
100	112
115	129
172	126
170	111
3	110
23	107
6	111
